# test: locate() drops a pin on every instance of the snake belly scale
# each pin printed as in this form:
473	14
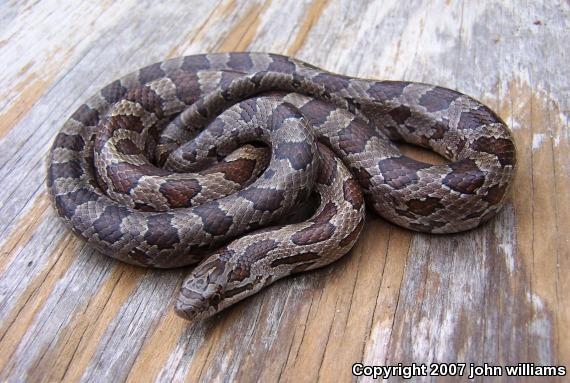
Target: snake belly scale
201	160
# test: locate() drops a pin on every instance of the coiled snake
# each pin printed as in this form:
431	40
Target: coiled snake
201	159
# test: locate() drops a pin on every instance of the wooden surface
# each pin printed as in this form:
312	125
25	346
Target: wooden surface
499	294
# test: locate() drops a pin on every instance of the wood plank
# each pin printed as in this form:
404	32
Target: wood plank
497	294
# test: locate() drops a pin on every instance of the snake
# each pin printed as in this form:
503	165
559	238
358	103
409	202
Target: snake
250	167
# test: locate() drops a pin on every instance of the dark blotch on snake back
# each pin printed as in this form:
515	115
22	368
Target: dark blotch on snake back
282	113
502	148
264	199
281	64
259	249
108	225
313	234
327	171
328	211
333	83
195	63
113	92
127	146
123	176
179	193
438	99
299	154
399	172
67	203
122	121
86	115
424	207
72	142
161	232
69	169
476	118
320	230
353	138
352	193
238	171
214	219
238	273
400	114
187	86
465	178
240	62
383	90
151	72
248	110
148	98
317	111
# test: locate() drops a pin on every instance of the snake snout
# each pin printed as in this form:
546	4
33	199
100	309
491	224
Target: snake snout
197	297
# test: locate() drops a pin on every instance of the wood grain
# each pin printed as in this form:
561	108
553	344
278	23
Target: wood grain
497	294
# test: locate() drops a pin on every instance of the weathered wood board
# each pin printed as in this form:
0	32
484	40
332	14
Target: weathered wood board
498	294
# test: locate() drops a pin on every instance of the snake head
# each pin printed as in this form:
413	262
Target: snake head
201	291
214	285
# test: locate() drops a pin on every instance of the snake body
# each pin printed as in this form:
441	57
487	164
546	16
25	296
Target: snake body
201	159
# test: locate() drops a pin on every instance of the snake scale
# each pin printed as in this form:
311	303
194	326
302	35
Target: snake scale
256	166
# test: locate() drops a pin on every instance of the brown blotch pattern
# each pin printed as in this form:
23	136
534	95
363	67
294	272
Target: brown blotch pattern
123	176
316	111
113	92
259	249
86	115
399	172
353	138
383	90
238	171
127	146
187	86
329	210
504	149
240	62
67	203
299	154
69	169
148	98
179	193
72	142
424	207
264	199
281	113
333	83
214	219
195	63
161	233
108	225
352	193
400	114
438	99
150	73
314	234
478	117
327	170
238	273
121	121
281	64
363	177
465	178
